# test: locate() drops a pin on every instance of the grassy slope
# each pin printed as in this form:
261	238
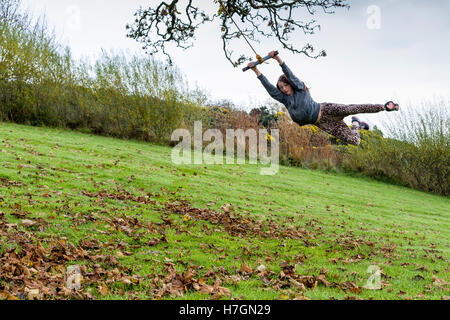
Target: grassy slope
409	230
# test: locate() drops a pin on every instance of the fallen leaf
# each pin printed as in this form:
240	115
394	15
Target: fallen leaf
102	289
261	268
440	283
322	279
32	293
28	223
245	268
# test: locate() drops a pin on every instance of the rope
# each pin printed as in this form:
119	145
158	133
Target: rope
258	57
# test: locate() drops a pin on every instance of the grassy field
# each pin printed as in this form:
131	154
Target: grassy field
139	227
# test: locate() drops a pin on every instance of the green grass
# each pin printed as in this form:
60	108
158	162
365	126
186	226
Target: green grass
55	175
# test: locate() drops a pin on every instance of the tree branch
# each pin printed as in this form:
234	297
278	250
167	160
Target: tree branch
164	23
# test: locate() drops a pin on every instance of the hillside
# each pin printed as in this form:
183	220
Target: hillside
138	226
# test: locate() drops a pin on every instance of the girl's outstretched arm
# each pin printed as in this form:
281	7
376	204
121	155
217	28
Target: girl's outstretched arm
276	57
255	69
270	88
296	82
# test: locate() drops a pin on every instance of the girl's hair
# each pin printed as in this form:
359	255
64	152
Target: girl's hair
285	80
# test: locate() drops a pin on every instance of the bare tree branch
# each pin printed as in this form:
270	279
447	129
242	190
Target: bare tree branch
166	22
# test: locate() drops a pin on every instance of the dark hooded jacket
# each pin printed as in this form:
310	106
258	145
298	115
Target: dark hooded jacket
301	106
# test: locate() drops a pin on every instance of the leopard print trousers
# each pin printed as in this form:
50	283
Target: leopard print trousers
332	119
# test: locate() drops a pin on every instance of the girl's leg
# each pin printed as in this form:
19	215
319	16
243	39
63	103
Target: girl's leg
337	127
343	110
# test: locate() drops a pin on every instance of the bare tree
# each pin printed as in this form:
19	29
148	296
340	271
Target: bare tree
10	10
176	21
13	13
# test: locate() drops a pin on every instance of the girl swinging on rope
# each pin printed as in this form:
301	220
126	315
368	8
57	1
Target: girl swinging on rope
303	110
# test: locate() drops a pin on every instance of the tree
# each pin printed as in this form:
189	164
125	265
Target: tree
11	13
9	9
176	21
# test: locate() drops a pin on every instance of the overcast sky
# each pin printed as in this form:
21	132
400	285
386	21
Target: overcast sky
405	59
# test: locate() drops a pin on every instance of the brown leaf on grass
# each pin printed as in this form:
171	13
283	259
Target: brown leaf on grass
175	284
350	286
119	254
234	279
40	272
333	260
405	264
440	283
122	195
32	293
297	284
262	270
352	298
285	265
227	207
188	276
322	279
19	213
300	259
266	281
309	281
388	248
220	292
103	289
10	183
126	229
28	223
6	296
237	225
355	258
287	269
156	241
204	288
245	269
422	268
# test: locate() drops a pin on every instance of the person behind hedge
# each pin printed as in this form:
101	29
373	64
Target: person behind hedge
329	117
362	125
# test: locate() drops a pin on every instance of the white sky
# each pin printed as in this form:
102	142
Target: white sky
405	60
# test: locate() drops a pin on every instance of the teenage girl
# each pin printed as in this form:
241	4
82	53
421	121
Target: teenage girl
303	110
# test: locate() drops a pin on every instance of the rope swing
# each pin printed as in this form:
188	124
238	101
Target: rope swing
259	59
